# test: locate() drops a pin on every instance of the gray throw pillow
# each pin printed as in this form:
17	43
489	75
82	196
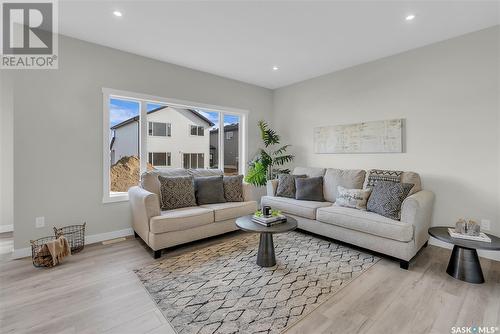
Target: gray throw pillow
233	188
286	185
387	197
310	189
209	190
176	192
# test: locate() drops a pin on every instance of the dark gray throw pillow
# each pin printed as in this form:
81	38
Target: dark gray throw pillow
286	185
387	197
176	192
233	188
209	190
309	189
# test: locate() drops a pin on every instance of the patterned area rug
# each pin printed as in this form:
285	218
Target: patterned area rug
220	289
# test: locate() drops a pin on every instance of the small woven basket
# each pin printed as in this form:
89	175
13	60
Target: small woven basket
75	234
39	254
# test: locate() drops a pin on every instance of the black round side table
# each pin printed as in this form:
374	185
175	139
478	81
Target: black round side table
265	255
464	263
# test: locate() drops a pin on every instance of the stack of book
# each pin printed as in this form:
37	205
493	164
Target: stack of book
269	221
481	237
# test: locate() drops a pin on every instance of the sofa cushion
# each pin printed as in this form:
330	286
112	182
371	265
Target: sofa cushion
233	188
203	172
367	222
181	219
309	171
176	192
286	185
150	182
209	189
306	209
347	178
230	210
406	177
309	189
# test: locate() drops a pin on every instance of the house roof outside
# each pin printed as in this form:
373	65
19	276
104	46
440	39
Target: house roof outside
136	118
229	127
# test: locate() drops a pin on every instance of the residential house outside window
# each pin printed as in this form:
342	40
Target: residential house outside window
197	130
159	129
159	159
193	160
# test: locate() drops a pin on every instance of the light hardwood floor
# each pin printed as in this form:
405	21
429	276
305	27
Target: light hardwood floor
96	291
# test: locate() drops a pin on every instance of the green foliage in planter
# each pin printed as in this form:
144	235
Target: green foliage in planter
267	164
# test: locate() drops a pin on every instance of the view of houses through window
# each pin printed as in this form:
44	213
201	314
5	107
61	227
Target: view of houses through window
175	138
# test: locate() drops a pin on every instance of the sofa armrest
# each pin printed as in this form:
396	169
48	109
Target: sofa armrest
271	187
417	210
252	193
144	205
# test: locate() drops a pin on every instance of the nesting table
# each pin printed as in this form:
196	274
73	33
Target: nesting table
265	255
464	263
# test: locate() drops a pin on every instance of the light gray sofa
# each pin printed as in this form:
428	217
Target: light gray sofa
398	239
163	229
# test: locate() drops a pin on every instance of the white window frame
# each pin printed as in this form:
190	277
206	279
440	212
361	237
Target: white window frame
167	156
168	129
144	99
197	130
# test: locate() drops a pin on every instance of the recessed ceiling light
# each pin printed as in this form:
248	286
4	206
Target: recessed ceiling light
117	13
410	17
275	68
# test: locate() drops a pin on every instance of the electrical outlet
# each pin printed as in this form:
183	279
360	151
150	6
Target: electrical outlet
485	224
39	222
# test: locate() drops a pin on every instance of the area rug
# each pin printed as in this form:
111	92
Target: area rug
220	288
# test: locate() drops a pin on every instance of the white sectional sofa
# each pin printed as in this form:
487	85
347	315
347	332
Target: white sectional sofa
399	239
163	229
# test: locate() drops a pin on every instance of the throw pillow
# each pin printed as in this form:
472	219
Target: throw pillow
233	188
309	189
286	185
387	197
209	190
376	175
176	192
353	198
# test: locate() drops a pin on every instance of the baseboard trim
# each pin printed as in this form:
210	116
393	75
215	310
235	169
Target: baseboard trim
6	228
492	255
89	239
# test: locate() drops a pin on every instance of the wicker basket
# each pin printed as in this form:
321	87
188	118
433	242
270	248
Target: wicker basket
75	234
39	254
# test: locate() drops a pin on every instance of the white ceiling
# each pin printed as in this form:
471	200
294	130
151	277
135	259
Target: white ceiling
243	40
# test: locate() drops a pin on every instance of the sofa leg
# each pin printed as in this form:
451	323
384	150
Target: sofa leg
404	264
136	235
157	254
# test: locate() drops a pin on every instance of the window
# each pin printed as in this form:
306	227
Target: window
160	159
193	160
197	130
159	129
136	128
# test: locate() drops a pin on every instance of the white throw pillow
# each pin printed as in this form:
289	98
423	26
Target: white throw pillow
353	198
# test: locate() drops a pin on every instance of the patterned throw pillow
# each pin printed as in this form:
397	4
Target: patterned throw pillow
286	185
376	175
387	197
233	188
176	192
353	198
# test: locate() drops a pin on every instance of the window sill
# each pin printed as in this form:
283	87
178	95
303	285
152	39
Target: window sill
115	198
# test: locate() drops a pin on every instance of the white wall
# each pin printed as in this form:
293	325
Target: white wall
59	112
6	154
449	95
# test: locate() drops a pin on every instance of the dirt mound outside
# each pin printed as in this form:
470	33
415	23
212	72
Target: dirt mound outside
125	173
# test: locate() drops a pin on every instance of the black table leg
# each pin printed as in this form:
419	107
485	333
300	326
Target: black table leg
464	265
265	255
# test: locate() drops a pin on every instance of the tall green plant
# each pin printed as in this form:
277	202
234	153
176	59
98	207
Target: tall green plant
267	164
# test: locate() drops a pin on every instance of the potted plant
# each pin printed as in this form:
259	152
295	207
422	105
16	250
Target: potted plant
270	160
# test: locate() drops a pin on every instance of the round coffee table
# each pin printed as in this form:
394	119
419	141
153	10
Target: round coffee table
464	263
265	255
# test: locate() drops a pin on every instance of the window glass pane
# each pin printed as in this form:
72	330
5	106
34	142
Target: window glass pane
194	160
150	157
231	144
193	130
159	159
201	131
124	144
201	160
159	129
150	128
169	159
212	119
186	160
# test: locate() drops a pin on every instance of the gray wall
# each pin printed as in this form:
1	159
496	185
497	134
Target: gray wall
449	95
59	112
6	152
